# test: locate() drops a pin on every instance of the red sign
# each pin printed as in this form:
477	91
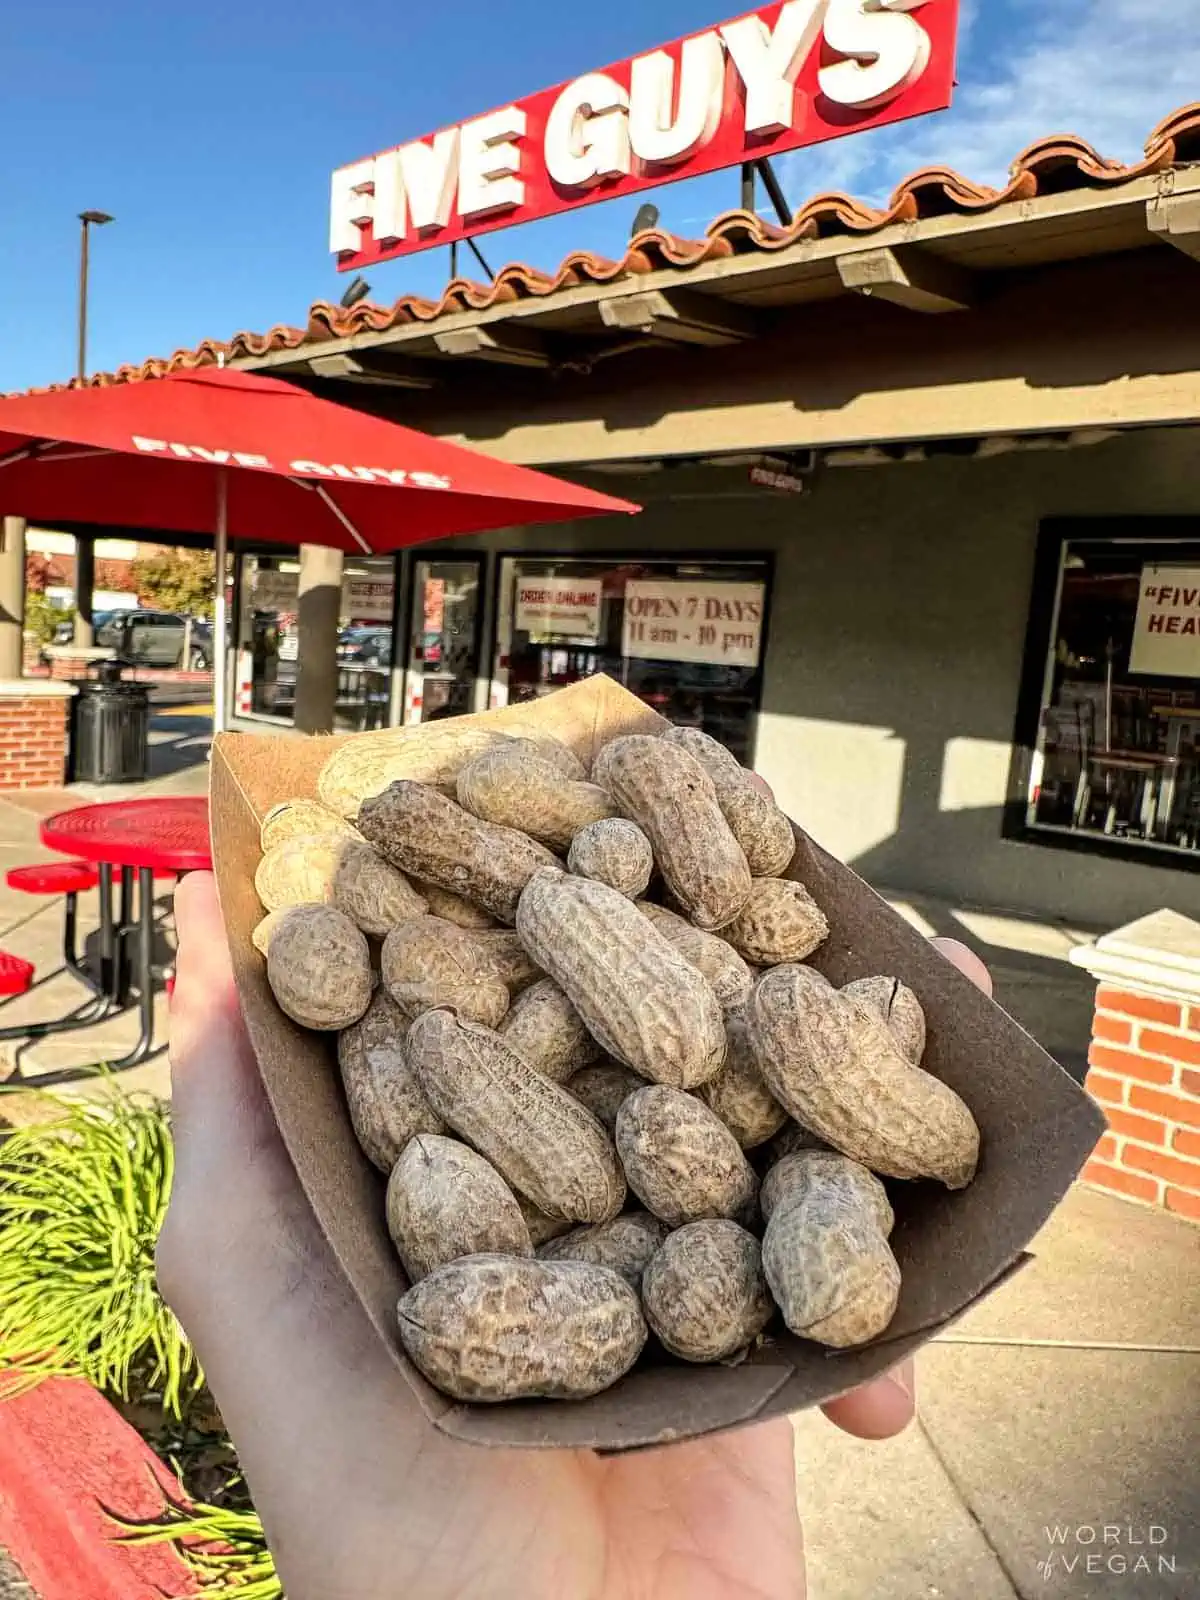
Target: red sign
787	75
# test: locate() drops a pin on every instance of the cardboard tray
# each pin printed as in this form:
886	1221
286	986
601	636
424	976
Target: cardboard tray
1038	1127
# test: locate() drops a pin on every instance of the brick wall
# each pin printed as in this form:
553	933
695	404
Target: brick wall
33	741
1145	1072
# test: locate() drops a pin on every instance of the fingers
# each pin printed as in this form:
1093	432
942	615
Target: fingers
878	1410
967	962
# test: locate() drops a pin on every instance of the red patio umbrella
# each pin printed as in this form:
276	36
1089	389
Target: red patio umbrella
235	454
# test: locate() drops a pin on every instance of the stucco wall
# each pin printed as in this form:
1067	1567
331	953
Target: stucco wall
897	631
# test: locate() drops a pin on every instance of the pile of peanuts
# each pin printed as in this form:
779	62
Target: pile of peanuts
577	1032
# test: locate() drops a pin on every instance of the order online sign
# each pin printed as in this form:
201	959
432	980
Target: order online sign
780	78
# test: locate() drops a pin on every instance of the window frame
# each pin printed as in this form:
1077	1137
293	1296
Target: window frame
1055	534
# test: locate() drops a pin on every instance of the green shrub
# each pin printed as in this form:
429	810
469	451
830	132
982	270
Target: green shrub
82	1198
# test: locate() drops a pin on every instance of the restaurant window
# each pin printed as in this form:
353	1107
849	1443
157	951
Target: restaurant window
443	639
270	643
1117	751
686	637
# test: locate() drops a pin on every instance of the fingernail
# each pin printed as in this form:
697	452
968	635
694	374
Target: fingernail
905	1379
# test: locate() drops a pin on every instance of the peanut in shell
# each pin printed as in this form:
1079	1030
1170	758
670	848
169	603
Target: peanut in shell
433	754
604	1089
836	1068
387	1105
319	968
333	869
704	1292
453	908
828	1262
796	1173
756	822
430	837
301	816
710	954
545	1030
614	851
780	922
645	1005
490	1328
517	789
898	1006
444	1201
670	796
681	1160
538	1137
626	1244
739	1094
427	963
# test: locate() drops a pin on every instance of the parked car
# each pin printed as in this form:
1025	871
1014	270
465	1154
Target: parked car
156	639
365	647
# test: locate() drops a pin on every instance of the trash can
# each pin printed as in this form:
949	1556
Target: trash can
110	724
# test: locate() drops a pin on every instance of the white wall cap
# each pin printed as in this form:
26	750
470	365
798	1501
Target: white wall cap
35	689
1158	954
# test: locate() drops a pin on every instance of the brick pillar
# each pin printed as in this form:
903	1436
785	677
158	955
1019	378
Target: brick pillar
33	733
1145	1061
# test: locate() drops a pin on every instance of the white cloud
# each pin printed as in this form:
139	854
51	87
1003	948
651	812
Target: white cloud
1107	69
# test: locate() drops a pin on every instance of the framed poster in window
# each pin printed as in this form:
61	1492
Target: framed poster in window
1107	741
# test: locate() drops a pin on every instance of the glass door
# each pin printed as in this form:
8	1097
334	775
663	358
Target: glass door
443	646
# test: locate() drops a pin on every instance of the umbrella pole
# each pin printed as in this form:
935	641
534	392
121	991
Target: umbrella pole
220	609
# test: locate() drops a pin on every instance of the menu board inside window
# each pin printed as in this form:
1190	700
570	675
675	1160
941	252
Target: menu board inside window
687	637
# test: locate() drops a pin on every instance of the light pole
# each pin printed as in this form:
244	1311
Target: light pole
85	549
86	220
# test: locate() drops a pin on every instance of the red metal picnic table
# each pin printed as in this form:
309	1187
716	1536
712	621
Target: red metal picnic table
140	840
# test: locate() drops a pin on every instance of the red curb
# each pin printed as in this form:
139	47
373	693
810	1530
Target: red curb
65	1456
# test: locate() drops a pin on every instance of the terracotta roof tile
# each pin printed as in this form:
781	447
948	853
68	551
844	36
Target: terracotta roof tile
1052	165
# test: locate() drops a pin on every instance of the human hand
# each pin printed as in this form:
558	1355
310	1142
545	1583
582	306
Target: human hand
356	1509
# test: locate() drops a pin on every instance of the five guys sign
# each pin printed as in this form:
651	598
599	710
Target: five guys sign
789	74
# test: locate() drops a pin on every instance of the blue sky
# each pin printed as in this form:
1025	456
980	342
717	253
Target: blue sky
210	131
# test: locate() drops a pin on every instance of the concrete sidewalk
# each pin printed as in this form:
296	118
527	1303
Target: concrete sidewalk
1056	1445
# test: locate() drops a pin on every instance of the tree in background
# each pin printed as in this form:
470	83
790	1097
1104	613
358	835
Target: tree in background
176	580
42	617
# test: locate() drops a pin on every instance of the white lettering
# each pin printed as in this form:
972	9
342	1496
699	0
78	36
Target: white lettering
244	459
216	458
769	62
660	130
587	133
183	451
351	206
391	202
429	175
430	480
489	163
310	469
886	51
150	446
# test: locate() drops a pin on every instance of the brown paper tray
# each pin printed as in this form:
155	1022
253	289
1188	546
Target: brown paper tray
1038	1127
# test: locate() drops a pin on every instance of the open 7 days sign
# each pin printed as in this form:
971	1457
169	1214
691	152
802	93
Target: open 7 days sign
783	76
